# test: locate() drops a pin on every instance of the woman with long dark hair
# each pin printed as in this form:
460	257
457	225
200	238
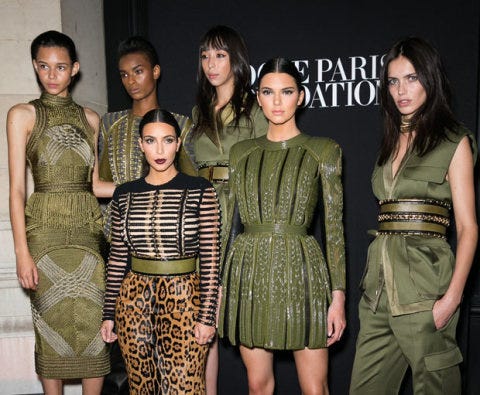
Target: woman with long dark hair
226	113
413	283
280	292
163	309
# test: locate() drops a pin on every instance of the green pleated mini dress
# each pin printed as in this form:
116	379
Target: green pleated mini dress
277	279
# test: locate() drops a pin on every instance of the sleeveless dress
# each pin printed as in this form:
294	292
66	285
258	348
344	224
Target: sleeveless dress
64	236
276	279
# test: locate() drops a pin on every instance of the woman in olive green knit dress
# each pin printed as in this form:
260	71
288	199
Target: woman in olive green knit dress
58	235
279	290
226	113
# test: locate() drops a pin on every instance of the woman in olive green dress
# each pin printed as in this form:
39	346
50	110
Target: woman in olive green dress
58	235
280	292
226	113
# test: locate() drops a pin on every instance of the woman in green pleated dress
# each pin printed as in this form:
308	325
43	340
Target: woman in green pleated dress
280	290
58	235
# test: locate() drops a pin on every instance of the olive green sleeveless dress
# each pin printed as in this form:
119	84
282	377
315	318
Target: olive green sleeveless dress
64	236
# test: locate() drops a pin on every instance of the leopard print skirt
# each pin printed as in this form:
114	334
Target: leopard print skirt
154	319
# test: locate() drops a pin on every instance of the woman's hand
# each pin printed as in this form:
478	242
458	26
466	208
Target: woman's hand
108	335
442	311
27	272
204	334
336	321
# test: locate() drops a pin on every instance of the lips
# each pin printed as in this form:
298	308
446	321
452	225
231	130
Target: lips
160	161
212	76
403	103
277	112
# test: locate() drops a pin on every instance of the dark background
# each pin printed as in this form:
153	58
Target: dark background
309	30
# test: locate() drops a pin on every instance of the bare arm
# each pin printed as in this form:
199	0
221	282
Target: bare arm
460	176
101	189
20	122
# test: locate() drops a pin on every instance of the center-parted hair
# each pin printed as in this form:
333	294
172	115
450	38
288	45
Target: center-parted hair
281	65
159	115
432	120
227	39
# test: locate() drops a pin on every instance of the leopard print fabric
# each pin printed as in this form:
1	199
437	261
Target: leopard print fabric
155	317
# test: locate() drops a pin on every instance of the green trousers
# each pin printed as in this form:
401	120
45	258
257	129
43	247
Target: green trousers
387	345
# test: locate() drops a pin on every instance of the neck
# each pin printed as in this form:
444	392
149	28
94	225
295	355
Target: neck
141	107
159	178
282	132
224	95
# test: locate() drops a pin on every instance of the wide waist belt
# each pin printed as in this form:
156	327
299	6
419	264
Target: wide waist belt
216	174
424	217
68	187
276	228
152	266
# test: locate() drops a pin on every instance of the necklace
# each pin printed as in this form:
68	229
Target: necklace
406	126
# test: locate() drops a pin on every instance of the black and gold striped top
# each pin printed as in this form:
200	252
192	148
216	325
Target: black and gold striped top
172	221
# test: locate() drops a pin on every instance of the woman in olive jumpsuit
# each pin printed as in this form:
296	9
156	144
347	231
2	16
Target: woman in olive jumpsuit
413	284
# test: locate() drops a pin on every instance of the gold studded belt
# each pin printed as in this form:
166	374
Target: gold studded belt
165	268
216	174
423	217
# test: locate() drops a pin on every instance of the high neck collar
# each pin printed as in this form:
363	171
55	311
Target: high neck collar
54	100
279	145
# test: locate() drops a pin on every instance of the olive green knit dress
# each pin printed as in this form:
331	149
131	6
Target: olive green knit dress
276	279
64	236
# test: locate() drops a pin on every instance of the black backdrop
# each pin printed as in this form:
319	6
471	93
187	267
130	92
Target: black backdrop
338	46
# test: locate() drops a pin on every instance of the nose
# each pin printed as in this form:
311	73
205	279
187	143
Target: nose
131	79
401	89
277	99
160	148
52	73
211	62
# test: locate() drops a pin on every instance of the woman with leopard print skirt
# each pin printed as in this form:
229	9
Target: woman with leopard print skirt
159	306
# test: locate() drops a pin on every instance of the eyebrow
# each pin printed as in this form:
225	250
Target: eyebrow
288	87
133	68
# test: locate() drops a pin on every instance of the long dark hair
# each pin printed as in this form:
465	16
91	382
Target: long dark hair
432	120
227	39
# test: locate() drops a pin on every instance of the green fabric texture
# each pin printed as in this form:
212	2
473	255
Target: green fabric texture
276	280
416	270
213	148
64	236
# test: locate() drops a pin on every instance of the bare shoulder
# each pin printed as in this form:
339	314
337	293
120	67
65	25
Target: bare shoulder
21	110
92	117
21	116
